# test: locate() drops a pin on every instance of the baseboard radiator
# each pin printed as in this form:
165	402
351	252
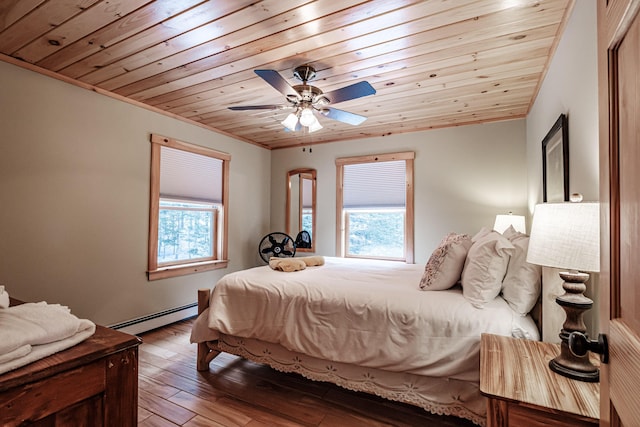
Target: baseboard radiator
157	320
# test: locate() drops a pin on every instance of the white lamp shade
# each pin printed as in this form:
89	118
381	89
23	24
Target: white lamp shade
315	125
290	122
504	221
566	235
307	118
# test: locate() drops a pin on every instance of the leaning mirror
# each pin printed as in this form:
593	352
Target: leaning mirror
301	208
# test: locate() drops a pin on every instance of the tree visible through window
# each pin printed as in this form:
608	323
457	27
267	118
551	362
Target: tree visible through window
375	206
186	231
307	221
189	196
375	233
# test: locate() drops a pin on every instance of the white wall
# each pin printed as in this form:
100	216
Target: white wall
464	176
74	199
570	87
74	182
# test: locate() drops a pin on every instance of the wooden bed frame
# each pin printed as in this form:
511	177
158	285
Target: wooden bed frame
207	351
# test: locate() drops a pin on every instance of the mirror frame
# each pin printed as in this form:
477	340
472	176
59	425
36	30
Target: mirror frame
312	173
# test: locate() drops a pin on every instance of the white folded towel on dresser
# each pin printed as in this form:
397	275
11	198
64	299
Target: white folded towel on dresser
4	297
34	324
32	331
15	354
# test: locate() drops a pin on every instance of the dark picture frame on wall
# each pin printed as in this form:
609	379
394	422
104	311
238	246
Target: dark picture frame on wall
555	162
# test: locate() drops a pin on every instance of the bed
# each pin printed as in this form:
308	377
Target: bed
365	325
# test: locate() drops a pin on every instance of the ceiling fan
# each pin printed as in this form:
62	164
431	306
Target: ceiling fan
307	100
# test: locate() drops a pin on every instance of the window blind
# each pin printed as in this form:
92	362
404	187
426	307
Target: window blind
186	175
374	185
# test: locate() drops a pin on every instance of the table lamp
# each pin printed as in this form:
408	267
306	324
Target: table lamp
567	236
504	221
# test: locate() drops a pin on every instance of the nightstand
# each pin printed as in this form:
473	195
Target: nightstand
523	391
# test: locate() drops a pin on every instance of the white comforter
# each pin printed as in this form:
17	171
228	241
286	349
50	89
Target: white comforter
363	312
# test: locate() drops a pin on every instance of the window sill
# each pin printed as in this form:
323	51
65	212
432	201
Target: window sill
184	269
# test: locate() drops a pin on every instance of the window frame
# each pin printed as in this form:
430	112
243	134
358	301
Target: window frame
220	250
341	244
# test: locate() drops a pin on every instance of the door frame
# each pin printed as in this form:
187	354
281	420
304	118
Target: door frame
614	19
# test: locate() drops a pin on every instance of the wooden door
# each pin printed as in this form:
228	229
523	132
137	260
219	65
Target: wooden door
619	111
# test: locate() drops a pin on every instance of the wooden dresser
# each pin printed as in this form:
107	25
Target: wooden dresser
94	383
524	392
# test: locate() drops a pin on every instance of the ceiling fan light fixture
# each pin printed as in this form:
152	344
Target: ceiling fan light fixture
307	99
290	122
314	127
307	118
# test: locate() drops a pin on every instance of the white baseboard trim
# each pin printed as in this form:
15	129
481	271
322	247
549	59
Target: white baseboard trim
157	320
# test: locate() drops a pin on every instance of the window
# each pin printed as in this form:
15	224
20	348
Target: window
306	207
374	206
186	231
189	198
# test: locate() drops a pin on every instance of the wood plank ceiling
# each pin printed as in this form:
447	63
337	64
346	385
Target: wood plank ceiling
433	63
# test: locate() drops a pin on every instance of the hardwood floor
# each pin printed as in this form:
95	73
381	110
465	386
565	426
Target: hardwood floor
236	392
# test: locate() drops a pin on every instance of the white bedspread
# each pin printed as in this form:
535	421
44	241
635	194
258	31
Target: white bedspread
363	312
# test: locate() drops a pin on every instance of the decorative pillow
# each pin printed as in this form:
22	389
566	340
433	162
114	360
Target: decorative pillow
521	286
485	267
445	264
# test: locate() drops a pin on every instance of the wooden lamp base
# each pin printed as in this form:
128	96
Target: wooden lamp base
574	303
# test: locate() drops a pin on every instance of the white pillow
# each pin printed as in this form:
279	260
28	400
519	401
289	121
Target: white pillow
445	263
485	267
521	286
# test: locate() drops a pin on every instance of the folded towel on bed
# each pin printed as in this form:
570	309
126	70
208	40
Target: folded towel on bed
35	330
295	264
287	264
312	261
